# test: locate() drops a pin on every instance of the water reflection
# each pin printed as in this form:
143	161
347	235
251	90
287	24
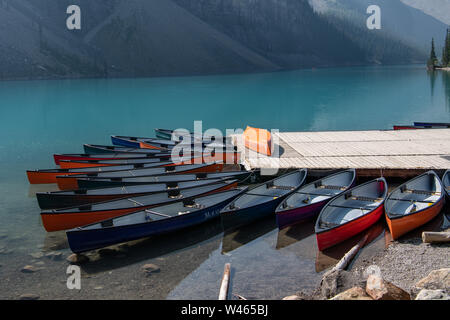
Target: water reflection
446	84
234	238
157	246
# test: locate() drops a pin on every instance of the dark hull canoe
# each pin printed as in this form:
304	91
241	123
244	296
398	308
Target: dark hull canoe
187	136
162	219
69	182
261	201
78	197
307	202
135	142
446	182
102	149
50	175
241	176
397	127
112	156
351	213
432	124
228	158
68	218
414	203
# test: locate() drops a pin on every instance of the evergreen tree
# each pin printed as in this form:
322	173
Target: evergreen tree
433	61
446	51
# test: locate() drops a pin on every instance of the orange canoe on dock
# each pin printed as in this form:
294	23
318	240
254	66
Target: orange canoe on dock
414	203
259	140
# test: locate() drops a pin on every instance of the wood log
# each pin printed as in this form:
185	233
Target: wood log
435	237
342	264
223	293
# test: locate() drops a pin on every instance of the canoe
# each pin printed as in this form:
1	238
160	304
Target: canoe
350	213
68	218
49	175
262	200
100	149
432	124
92	182
135	142
259	140
228	158
446	182
414	127
71	198
158	220
68	182
112	156
151	143
307	202
414	203
188	136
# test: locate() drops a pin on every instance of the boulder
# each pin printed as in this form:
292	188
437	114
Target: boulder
437	279
426	294
355	293
380	289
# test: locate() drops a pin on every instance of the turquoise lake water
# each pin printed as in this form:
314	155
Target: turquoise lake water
39	118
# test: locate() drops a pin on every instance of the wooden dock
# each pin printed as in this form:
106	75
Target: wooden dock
389	153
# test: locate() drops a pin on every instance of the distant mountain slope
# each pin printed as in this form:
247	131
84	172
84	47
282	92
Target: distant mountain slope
186	37
399	21
440	9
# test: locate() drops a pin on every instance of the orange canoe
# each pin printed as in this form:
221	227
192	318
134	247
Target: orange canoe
414	203
259	140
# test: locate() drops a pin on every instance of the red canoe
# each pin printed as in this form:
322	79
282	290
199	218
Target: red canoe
351	213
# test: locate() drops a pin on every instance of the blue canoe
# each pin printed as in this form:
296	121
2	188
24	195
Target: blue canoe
446	182
142	224
262	200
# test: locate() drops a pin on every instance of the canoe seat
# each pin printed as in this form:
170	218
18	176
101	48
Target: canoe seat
368	199
431	201
283	187
332	187
426	192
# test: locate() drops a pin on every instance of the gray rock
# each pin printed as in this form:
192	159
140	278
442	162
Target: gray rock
29	269
150	268
37	255
29	296
436	279
55	256
77	258
426	294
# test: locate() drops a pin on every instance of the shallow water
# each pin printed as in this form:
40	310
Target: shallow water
39	118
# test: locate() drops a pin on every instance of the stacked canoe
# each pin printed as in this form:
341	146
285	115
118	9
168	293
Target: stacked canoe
153	185
139	187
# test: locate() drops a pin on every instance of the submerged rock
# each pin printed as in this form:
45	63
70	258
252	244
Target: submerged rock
380	289
355	293
426	294
150	268
37	255
77	258
29	269
55	256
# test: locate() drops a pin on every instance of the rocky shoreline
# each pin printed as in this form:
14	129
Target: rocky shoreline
405	270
